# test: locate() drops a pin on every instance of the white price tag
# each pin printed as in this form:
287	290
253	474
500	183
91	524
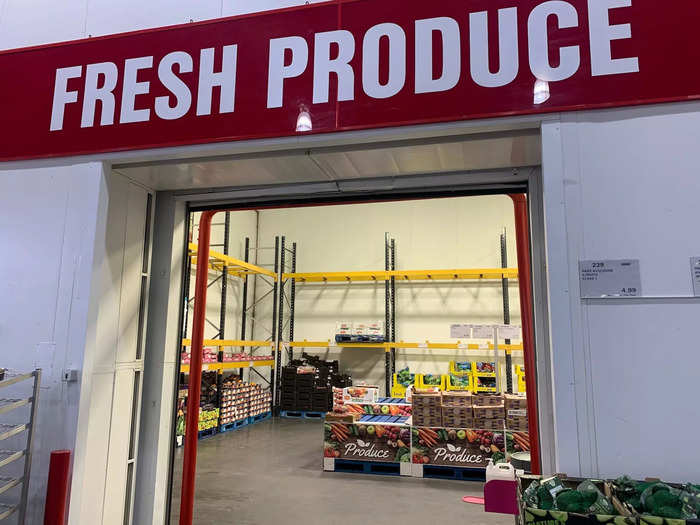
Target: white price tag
482	331
422	345
463	346
610	278
695	275
460	331
509	331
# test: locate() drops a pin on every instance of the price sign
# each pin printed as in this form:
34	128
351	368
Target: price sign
460	331
610	278
695	274
482	331
508	331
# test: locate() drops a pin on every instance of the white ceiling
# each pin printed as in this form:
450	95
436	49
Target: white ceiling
479	152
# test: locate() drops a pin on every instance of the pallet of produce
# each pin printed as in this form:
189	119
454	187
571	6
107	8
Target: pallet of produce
373	442
460	447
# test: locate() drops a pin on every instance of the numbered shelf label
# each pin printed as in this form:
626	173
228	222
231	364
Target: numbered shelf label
610	278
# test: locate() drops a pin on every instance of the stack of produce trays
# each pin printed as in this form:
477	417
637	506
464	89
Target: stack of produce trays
235	400
208	417
260	400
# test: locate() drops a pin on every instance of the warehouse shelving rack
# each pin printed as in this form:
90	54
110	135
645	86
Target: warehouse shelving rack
8	431
224	267
390	275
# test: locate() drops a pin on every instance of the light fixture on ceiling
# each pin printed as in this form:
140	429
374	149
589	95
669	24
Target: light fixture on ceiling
541	91
304	120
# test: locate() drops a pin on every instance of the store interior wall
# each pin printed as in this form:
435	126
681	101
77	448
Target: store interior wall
462	232
48	227
624	184
43	21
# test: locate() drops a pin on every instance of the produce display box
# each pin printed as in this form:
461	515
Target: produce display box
457	399
360	394
490	412
460	383
428	381
490	424
626	515
367	442
458	447
381	408
556	517
461	368
515	402
484	399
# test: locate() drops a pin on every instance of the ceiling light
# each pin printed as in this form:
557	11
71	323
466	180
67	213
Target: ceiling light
304	121
541	91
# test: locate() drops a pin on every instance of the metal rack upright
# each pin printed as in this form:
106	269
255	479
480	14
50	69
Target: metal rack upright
8	431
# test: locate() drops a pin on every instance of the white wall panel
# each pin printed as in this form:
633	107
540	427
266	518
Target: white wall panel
33	22
106	17
239	7
644	368
135	227
626	181
47	224
115	485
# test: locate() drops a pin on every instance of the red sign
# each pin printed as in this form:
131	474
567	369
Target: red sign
350	64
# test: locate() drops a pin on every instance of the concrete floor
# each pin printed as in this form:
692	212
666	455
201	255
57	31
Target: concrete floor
271	473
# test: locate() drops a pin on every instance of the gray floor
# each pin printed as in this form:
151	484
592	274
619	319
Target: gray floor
270	473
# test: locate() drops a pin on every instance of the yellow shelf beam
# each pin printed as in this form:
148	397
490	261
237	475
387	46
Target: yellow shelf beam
229	342
405	275
235	267
220	367
402	344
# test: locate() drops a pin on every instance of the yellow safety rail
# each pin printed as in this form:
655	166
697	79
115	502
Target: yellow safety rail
405	275
235	267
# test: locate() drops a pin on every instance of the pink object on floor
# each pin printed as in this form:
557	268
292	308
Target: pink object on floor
473	499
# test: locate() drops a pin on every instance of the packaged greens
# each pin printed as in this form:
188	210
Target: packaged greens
601	504
575	501
530	494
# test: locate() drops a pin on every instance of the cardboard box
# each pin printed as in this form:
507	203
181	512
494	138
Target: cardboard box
360	394
486	399
457	398
489	412
460	417
519	424
515	402
489	424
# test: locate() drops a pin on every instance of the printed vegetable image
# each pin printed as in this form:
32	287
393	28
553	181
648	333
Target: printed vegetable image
432	380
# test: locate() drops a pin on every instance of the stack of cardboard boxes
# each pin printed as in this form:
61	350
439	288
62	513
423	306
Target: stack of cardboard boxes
427	409
489	411
516	412
457	409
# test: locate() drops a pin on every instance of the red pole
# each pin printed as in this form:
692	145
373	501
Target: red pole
522	237
189	466
57	488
